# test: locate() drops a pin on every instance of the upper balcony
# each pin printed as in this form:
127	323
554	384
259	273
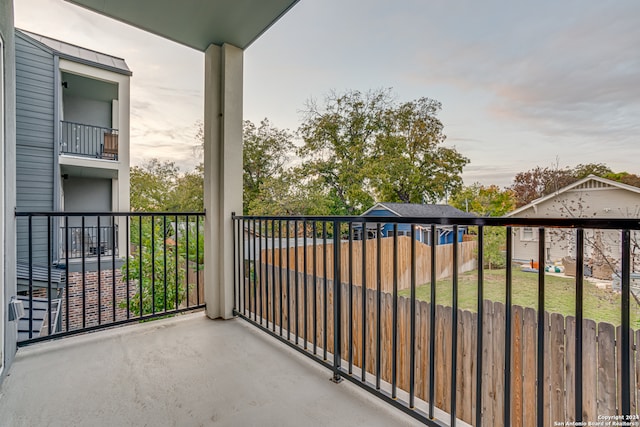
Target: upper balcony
88	141
88	132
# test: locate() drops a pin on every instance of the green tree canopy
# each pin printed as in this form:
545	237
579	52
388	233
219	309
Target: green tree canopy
365	146
266	152
538	182
160	187
484	200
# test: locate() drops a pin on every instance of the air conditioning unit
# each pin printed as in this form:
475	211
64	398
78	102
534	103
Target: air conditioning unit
16	309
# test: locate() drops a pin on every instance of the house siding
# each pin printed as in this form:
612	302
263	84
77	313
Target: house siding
35	127
601	202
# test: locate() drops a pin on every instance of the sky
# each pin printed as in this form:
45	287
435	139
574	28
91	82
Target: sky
522	84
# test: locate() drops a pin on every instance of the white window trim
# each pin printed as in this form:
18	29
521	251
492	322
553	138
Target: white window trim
534	235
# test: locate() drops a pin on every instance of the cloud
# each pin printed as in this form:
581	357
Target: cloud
578	77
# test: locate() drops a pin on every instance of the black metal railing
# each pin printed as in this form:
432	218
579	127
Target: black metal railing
153	269
88	141
389	315
89	241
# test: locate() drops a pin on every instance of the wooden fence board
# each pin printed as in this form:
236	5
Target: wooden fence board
446	378
606	369
601	350
637	371
427	340
419	346
589	371
516	365
632	386
440	373
556	353
460	373
488	394
467	256
466	360
546	401
529	366
472	358
404	343
386	337
499	337
570	371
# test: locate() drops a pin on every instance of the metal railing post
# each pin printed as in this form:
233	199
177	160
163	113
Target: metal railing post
337	304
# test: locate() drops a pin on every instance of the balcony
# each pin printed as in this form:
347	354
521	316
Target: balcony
313	303
88	241
184	371
88	141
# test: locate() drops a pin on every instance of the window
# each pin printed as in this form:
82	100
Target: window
528	234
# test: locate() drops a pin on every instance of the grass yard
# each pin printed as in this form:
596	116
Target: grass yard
601	305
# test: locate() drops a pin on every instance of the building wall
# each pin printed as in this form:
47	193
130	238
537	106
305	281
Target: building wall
90	309
609	202
87	111
35	101
8	331
87	195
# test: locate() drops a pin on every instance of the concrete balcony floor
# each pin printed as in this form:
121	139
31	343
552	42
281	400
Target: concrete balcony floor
184	371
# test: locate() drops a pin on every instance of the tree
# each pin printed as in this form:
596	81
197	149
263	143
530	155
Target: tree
487	201
189	191
484	201
361	147
338	141
266	151
539	182
409	163
149	185
624	177
161	187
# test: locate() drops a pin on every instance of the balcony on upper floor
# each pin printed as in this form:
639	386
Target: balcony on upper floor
88	141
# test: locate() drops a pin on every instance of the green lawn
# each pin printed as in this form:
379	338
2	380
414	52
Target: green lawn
601	305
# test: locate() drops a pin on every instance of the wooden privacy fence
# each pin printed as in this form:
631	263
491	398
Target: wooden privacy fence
467	260
301	311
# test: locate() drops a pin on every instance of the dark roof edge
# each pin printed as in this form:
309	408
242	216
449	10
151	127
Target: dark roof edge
27	34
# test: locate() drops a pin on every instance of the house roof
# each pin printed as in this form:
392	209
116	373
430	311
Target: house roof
419	210
590	182
196	23
79	54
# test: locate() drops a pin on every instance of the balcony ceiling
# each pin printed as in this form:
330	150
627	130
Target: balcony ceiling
196	23
84	87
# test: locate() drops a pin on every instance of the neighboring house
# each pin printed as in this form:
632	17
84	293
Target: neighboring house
591	197
422	232
72	144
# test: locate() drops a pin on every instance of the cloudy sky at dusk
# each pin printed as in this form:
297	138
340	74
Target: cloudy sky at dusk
521	83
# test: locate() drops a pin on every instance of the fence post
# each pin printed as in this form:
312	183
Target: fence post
337	297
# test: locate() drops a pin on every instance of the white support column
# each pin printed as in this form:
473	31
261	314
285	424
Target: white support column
222	172
120	120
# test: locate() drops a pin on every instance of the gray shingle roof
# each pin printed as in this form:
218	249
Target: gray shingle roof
81	54
431	211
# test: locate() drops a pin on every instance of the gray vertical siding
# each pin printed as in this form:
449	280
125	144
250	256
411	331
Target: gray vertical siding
35	127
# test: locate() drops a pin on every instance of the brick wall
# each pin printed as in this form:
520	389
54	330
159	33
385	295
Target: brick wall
91	308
